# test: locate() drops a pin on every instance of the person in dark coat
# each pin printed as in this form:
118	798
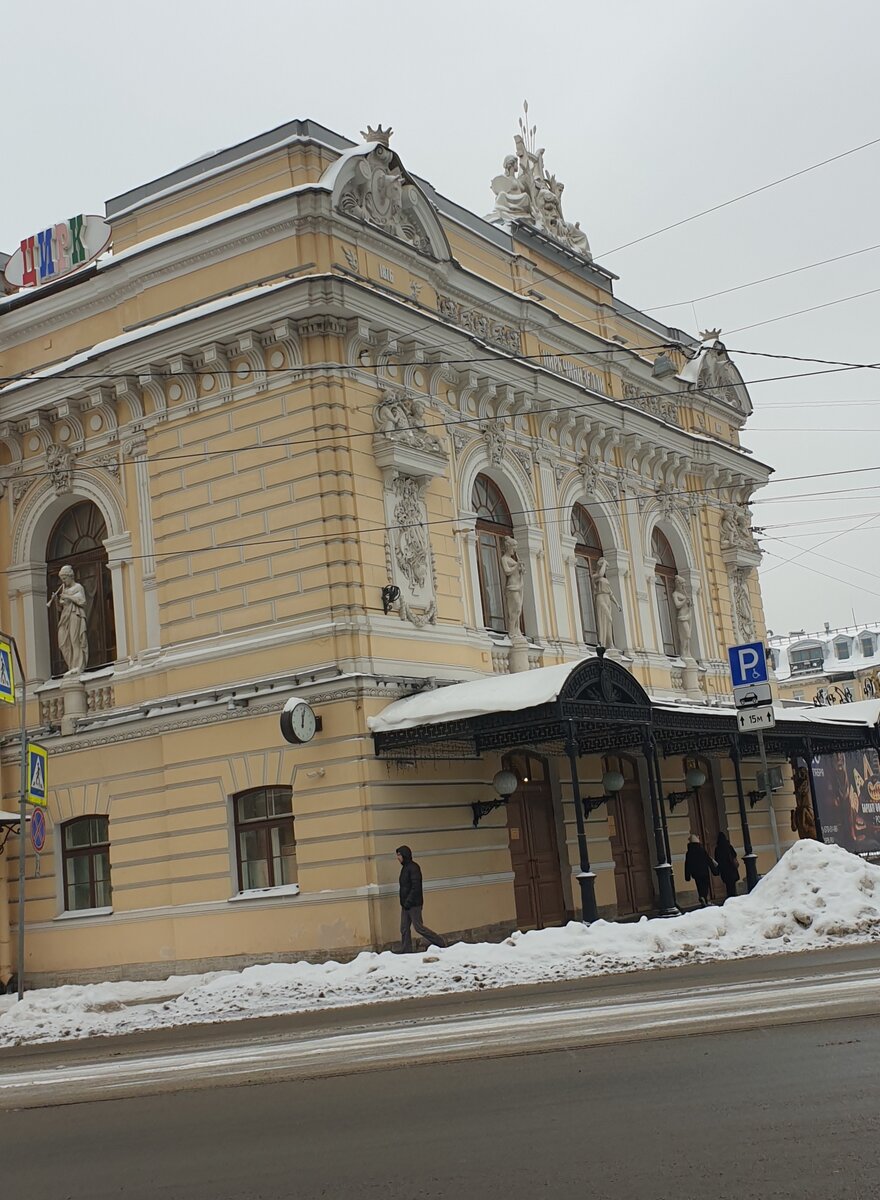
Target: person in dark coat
728	864
699	866
411	900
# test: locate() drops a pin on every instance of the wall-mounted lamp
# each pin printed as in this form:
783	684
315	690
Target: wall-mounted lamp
695	778
612	782
390	595
505	784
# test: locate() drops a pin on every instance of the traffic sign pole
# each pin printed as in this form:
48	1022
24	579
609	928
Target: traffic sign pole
774	829
22	814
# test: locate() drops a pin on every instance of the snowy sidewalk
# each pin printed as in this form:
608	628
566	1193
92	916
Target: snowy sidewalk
817	896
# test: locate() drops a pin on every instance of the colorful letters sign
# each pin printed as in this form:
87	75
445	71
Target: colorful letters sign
57	251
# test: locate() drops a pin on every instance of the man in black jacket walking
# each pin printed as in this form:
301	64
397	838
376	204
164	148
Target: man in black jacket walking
411	901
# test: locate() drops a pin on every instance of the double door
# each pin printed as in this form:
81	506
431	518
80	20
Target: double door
627	831
704	822
534	846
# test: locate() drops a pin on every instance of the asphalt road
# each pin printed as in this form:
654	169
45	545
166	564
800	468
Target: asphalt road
621	1087
789	1112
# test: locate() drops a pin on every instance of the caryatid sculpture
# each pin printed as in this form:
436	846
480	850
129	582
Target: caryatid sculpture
513	587
684	611
606	603
73	635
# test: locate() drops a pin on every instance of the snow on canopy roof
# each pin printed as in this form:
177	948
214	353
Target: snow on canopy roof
512	693
7	818
475	698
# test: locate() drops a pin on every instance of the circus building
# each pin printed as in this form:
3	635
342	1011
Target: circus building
288	432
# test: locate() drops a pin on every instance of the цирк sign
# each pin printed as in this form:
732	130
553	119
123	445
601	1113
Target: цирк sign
57	251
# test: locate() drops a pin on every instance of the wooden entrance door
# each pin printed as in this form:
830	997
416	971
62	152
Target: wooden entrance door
633	877
704	822
534	848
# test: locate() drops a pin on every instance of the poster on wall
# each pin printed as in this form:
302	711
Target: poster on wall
848	799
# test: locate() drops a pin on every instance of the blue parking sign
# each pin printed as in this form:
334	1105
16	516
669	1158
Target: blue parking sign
748	664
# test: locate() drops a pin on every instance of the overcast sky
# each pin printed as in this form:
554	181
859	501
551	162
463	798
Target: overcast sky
649	112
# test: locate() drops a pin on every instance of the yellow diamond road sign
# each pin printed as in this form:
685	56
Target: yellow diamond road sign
37	774
7	679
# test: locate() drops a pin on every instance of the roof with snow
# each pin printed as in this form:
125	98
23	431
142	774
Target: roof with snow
813	656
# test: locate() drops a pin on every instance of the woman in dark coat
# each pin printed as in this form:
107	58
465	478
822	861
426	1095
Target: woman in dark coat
728	864
699	866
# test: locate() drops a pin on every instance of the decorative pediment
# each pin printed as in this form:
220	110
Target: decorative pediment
370	184
526	193
711	371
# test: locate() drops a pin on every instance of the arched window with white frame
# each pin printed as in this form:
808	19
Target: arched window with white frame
665	572
77	540
587	552
494	524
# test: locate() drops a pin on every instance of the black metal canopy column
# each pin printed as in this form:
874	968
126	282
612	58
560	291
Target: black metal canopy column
586	877
749	856
808	762
666	895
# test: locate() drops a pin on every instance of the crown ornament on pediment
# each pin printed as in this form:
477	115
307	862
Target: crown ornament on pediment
710	335
377	135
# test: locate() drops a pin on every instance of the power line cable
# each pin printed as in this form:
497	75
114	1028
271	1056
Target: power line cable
743	196
800	311
765	279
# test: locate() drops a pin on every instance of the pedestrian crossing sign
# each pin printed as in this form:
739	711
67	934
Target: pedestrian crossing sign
37	774
7	679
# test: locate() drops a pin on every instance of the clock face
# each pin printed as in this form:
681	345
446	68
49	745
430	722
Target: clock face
302	722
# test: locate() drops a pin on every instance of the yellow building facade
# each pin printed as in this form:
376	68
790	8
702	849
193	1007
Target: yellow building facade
281	432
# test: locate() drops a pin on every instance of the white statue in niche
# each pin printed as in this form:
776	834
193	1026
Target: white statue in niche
684	611
606	603
73	635
514	572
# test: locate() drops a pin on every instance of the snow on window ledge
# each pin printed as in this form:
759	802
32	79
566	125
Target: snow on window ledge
267	893
75	913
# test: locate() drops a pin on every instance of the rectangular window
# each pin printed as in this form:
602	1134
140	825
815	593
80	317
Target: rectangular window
264	836
85	849
491	586
585	601
665	610
808	659
841	649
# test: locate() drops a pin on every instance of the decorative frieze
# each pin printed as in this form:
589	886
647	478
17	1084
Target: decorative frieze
657	406
479	324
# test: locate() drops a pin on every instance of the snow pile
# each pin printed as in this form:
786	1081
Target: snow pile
815	896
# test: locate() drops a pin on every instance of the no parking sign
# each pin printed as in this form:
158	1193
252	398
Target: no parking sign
38	829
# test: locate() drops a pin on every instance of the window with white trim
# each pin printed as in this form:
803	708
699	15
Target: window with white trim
265	844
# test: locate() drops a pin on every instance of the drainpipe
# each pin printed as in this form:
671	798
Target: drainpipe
5	934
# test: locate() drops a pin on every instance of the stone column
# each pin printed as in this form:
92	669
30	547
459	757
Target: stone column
466	531
137	451
119	561
28	581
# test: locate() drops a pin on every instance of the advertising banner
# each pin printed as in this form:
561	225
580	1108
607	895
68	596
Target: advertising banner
848	799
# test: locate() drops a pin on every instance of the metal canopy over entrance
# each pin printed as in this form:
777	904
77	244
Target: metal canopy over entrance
598	707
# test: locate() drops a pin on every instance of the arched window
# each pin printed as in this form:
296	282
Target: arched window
265	843
664	578
78	541
587	552
493	526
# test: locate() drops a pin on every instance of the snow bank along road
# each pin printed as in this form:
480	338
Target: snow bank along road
816	896
729	996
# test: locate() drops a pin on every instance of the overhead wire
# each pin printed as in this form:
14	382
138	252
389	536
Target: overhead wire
742	196
740	287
